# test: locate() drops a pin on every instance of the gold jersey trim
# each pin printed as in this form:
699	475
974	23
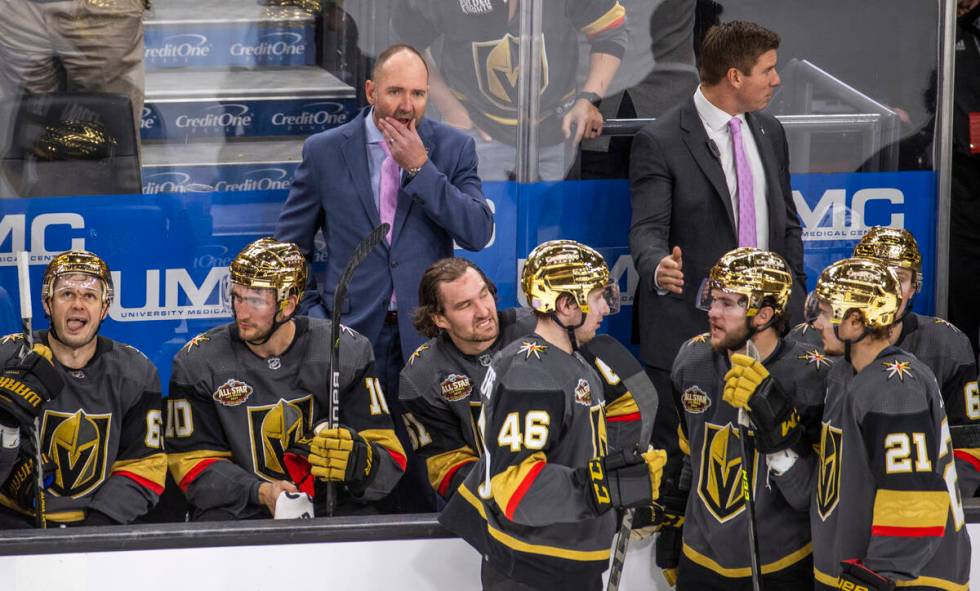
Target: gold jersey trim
828	580
734	573
622	406
907	508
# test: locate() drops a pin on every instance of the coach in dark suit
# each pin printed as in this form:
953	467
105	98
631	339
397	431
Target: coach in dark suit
388	164
710	175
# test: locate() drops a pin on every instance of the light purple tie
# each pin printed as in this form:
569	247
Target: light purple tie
746	190
388	194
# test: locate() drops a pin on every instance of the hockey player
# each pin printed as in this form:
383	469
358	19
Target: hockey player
881	490
935	342
537	502
102	436
245	396
439	384
745	295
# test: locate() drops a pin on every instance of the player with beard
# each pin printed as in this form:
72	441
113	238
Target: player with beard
881	489
746	296
458	310
102	436
245	396
536	504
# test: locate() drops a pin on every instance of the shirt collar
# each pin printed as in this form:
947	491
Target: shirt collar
374	135
712	116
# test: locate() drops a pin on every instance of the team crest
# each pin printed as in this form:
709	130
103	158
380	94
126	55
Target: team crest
456	387
695	400
497	67
532	348
898	368
417	353
828	476
77	444
720	481
273	429
196	341
583	392
12	338
232	393
815	358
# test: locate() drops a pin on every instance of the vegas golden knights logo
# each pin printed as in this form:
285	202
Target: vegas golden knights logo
828	477
720	480
273	429
77	443
498	69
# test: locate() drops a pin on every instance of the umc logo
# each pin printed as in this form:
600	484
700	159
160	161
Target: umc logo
831	219
13	231
183	297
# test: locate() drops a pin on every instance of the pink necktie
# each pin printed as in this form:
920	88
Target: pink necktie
388	195
746	191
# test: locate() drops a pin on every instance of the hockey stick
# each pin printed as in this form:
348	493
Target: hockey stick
743	435
26	315
619	550
333	404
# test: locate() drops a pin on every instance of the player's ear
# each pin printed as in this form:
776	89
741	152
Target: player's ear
439	320
369	87
762	317
290	307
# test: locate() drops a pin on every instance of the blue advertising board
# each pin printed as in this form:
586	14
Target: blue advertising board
208	44
170	251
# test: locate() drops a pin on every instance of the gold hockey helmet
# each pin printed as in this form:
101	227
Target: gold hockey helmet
761	276
895	247
865	285
270	264
565	266
77	262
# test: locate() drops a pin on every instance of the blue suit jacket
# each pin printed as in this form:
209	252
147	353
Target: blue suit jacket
332	190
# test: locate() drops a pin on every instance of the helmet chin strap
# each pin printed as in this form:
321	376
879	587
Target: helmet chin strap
847	342
569	329
751	331
272	330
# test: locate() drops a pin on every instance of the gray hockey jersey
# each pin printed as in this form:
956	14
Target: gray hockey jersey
882	487
236	420
716	530
103	435
525	505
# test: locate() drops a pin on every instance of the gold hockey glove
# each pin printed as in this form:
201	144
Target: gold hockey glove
340	455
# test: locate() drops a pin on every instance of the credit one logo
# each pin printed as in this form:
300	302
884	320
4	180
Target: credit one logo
185	45
831	218
183	297
148	119
13	232
218	117
172	182
314	115
262	179
274	44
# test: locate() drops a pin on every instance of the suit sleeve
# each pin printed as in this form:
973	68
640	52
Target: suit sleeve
912	503
523	430
437	438
139	473
300	218
363	408
651	188
454	200
199	455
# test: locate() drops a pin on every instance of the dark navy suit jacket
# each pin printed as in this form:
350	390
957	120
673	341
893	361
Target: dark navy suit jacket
332	191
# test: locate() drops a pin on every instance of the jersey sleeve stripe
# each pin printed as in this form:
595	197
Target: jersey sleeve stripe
187	466
910	513
387	439
510	486
442	467
623	409
907	532
624	418
614	17
970	456
444	485
682	442
149	472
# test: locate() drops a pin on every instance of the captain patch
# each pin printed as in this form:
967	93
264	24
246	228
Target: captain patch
232	393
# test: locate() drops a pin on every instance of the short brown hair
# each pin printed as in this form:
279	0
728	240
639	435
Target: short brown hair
737	44
388	53
439	272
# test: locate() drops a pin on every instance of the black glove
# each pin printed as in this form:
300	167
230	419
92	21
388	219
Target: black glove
668	552
854	576
21	485
624	479
26	384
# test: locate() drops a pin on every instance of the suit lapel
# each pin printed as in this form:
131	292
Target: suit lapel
405	204
770	165
697	143
355	156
